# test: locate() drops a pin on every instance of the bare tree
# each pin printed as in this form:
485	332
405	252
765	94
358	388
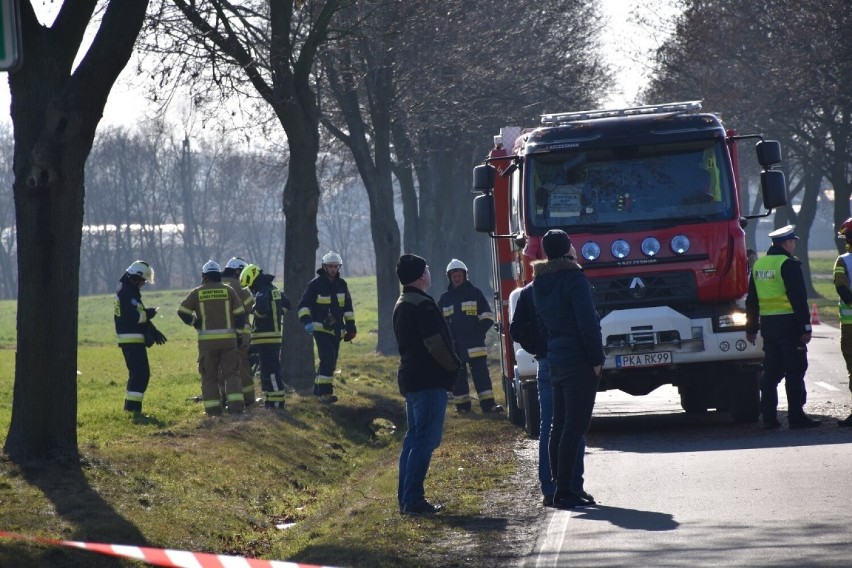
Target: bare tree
56	109
8	274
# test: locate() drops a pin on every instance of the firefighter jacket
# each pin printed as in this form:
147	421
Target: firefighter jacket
427	359
216	312
130	317
564	304
842	269
328	305
469	317
245	296
270	305
776	289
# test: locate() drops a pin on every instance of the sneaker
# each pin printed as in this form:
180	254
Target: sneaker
847	422
569	501
803	422
771	424
424	507
496	409
327	398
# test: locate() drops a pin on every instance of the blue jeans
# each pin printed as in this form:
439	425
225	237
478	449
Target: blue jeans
545	401
425	411
574	391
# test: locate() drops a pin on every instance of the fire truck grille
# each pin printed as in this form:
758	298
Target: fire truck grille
666	288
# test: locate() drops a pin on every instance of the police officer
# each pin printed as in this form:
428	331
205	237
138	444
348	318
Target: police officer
231	276
776	293
469	317
215	310
842	270
131	318
270	305
326	312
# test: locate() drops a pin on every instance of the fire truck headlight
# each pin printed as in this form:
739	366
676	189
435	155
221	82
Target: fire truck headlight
591	251
680	244
620	248
650	246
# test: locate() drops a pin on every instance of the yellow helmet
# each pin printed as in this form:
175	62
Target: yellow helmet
141	269
249	275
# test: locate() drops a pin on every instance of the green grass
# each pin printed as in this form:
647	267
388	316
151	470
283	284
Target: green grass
226	485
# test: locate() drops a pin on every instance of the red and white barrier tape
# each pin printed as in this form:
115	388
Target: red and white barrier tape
165	557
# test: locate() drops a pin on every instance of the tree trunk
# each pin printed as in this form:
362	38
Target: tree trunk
55	115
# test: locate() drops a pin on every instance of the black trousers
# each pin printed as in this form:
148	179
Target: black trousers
328	347
785	357
574	392
139	373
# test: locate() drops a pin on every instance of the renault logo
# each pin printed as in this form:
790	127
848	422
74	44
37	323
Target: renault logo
637	287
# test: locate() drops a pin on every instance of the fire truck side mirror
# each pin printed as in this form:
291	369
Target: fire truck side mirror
768	153
774	188
483	213
483	178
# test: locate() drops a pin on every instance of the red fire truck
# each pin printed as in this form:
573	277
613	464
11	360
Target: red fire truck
650	196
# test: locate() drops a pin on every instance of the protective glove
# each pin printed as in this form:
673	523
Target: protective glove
197	323
150	313
159	338
349	336
309	327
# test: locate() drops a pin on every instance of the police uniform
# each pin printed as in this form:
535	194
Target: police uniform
327	305
246	379
130	318
842	270
469	318
777	306
270	305
216	312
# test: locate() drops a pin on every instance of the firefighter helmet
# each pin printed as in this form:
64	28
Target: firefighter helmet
845	229
249	275
141	269
456	264
236	263
332	258
211	266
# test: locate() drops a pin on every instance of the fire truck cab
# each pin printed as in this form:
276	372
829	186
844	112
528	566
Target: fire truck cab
650	197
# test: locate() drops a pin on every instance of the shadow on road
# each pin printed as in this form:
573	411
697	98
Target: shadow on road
631	519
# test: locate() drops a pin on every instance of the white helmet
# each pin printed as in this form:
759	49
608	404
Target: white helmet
332	258
141	269
456	264
210	266
236	263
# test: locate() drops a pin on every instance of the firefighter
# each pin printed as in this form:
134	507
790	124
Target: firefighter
326	312
842	270
776	293
469	317
131	319
270	305
231	276
215	310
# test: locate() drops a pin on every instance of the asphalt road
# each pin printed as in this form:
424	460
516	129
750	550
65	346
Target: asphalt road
699	490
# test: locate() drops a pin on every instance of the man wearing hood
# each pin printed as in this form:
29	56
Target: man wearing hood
564	304
469	317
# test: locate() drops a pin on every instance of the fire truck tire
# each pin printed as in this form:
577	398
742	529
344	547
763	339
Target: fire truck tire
532	414
693	399
745	397
516	417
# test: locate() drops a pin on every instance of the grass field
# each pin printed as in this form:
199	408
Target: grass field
316	485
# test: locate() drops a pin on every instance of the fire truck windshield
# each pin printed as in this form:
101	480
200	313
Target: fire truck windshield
646	185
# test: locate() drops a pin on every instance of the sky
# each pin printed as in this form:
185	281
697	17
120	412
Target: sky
627	46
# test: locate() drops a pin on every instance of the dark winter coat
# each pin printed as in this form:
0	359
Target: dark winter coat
563	300
526	328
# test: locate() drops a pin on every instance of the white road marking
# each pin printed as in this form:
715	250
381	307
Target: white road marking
827	386
548	554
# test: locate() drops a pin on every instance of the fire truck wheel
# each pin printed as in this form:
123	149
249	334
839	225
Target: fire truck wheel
516	417
693	399
532	414
745	397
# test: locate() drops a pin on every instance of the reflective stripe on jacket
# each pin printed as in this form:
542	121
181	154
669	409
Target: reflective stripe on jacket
770	288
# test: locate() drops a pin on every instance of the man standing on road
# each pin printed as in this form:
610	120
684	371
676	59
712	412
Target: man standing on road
564	304
469	318
526	329
777	305
842	270
428	366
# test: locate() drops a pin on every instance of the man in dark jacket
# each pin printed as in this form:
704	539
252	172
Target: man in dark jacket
131	319
326	312
469	317
428	366
777	305
563	299
526	330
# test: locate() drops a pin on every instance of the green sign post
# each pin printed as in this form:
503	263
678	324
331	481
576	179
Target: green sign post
10	35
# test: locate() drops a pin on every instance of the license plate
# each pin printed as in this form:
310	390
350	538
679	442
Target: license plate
644	360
